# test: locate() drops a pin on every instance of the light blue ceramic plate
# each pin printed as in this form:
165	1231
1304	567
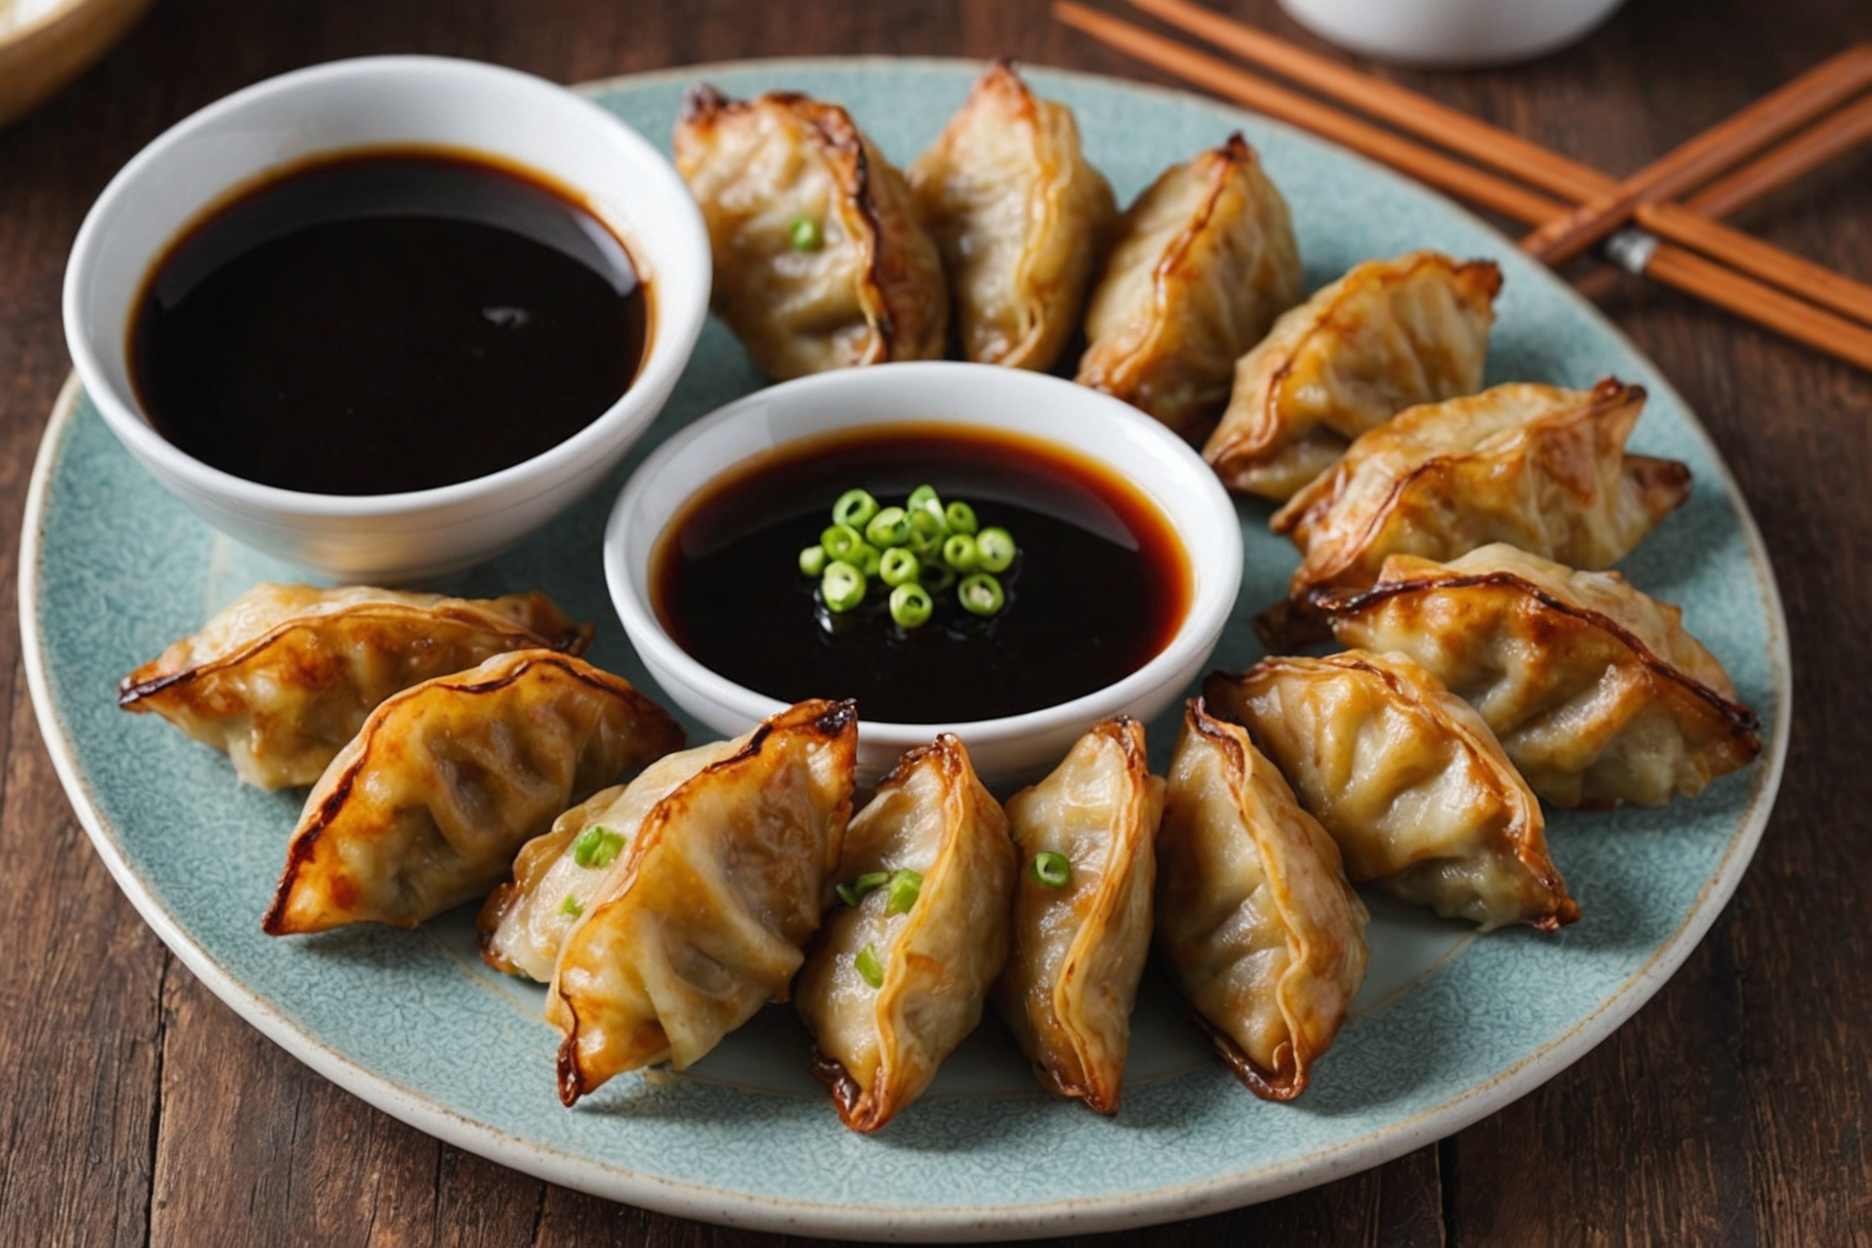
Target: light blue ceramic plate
1448	1028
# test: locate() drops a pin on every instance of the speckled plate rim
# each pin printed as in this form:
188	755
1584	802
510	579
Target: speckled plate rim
909	1222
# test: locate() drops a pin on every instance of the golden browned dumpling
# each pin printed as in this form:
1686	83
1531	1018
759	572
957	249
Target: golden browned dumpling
1597	692
1082	912
703	915
1202	264
820	261
1408	780
1539	467
1387	335
899	974
1021	219
284	676
1254	916
428	804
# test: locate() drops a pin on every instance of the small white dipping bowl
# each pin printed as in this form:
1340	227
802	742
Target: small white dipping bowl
1007	751
391	101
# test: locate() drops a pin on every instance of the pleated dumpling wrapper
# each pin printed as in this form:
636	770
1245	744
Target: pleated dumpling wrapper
704	916
1536	466
1408	780
1201	265
428	804
1082	912
1255	919
1597	691
820	261
1020	217
897	980
284	676
524	922
1388	335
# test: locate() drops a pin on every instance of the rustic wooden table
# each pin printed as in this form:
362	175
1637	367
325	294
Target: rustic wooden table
1735	1108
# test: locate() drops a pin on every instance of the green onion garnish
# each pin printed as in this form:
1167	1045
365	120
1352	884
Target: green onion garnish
905	884
937	577
806	234
981	594
994	549
890	527
868	559
571	906
911	605
854	509
840	540
959	552
597	846
1051	869
866	960
853	893
812	560
922	497
842	586
898	566
960	517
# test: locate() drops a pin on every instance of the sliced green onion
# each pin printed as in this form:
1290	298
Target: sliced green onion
936	577
806	234
867	559
911	605
1051	869
981	594
994	548
898	566
960	517
872	970
571	906
812	560
904	887
853	893
840	540
597	846
842	586
959	552
890	527
854	508
922	497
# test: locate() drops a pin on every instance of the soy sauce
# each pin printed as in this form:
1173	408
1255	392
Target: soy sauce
387	320
1100	586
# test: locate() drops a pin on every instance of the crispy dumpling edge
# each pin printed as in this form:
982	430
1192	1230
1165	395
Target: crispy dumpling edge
1231	456
132	691
827	718
1277	1086
844	145
1529	849
1743	723
306	835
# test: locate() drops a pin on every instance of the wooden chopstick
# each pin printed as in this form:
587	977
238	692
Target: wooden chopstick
1774	169
1674	266
1411	111
1708	154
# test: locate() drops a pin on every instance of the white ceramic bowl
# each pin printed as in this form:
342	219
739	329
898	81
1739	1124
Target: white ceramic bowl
1450	32
1007	751
378	101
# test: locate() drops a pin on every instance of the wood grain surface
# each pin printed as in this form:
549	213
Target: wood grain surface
1735	1108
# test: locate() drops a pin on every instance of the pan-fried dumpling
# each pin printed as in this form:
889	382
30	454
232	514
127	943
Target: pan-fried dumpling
820	261
1203	263
704	916
1596	691
1388	335
1020	217
897	980
1407	778
1254	915
428	804
1536	466
1080	942
285	675
555	876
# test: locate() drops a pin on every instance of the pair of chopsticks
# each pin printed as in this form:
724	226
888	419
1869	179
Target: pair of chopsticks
1572	206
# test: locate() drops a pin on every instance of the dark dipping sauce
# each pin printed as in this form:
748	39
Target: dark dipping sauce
1099	587
387	320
